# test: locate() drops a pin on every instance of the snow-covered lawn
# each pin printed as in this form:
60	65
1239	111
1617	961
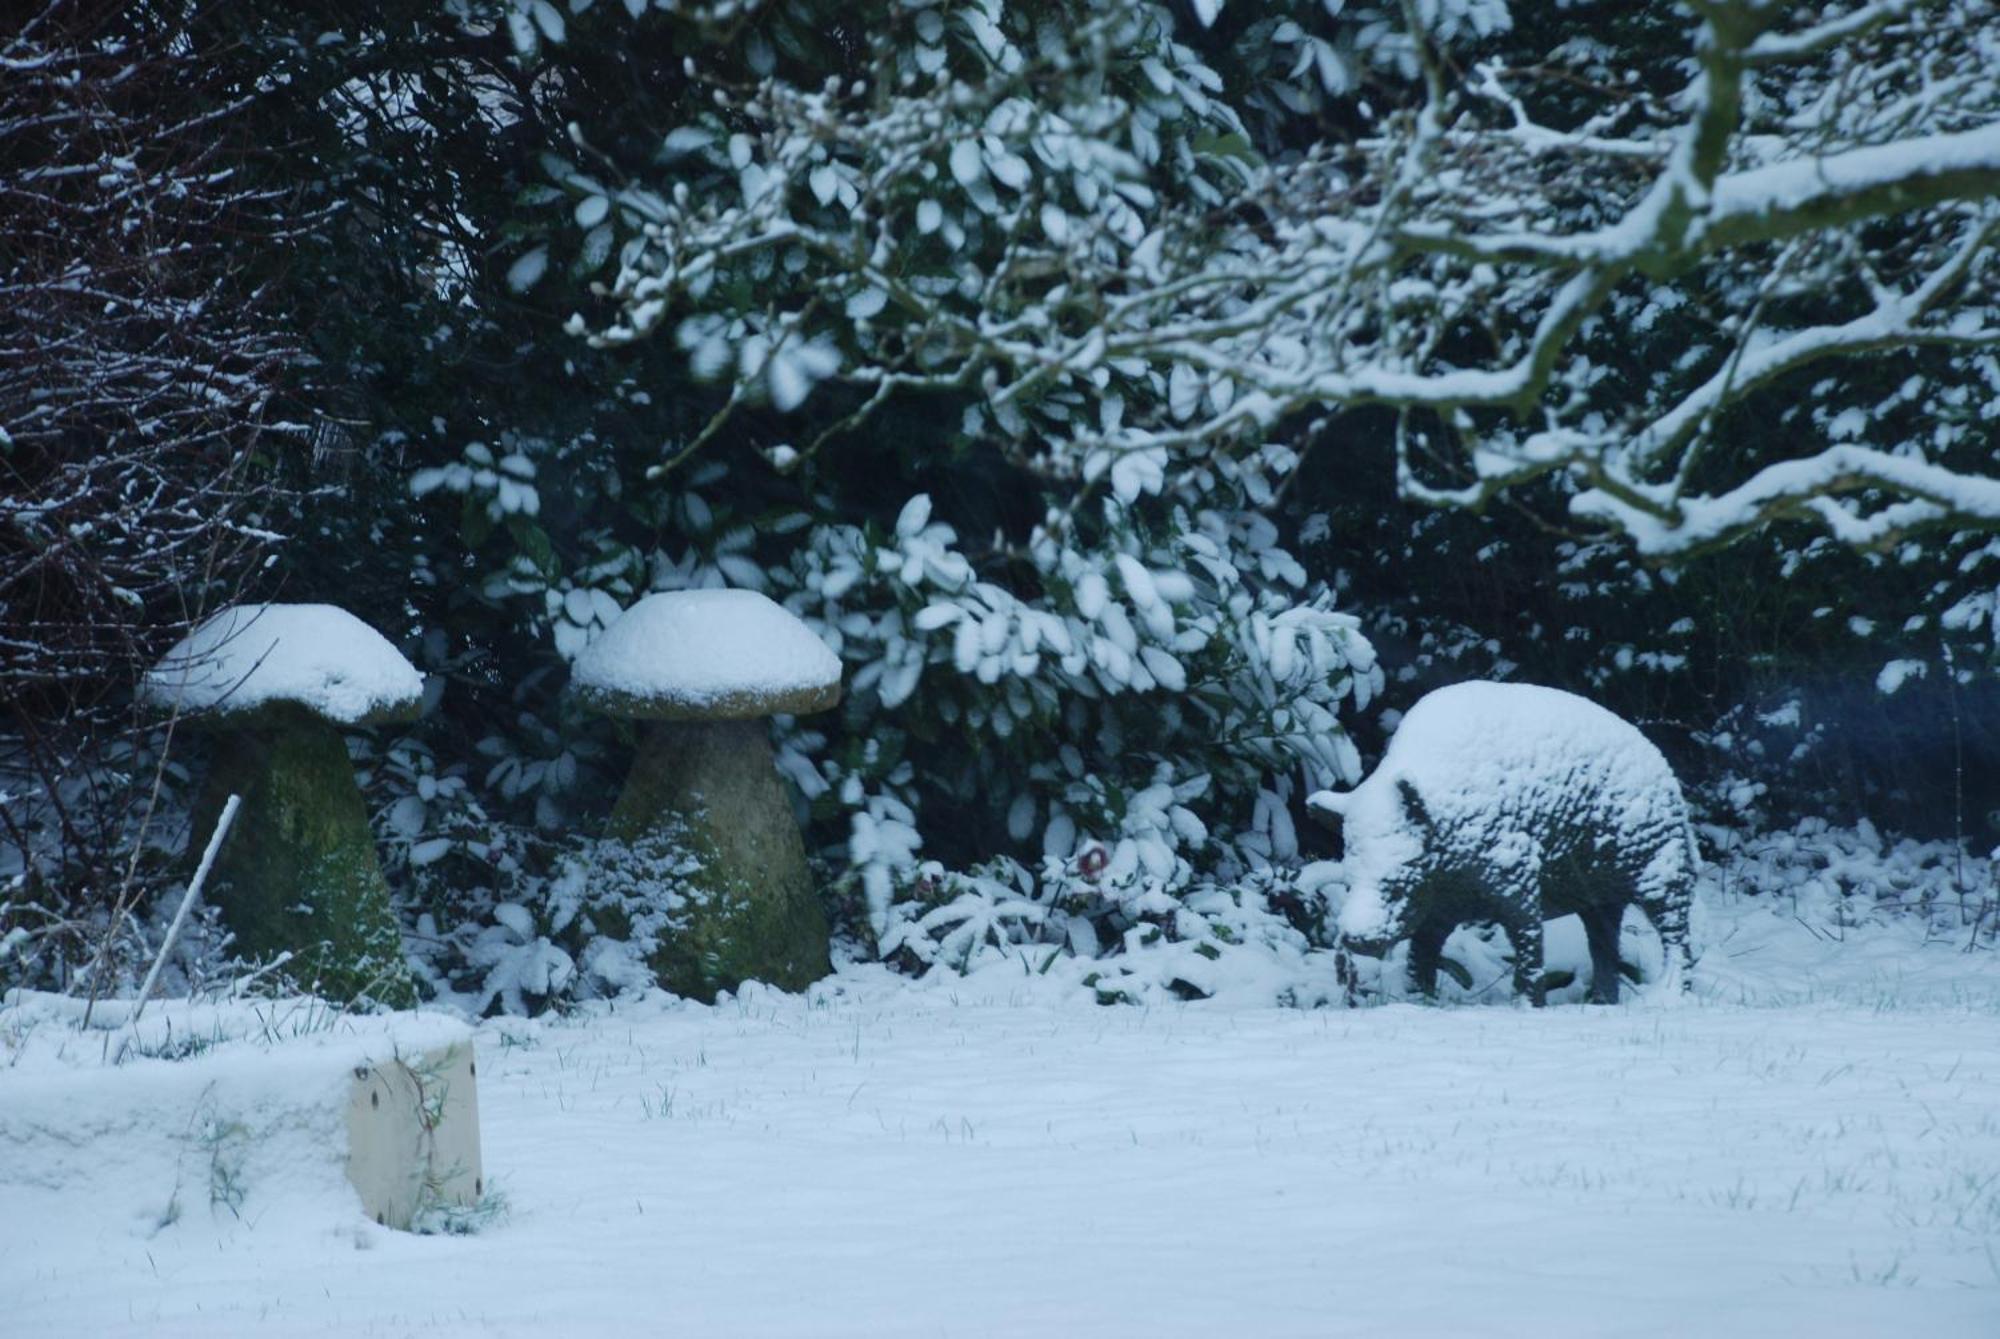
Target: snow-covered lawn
1812	1147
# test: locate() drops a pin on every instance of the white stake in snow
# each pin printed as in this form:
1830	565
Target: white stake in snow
188	899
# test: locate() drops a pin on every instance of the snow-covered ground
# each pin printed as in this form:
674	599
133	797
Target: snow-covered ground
1810	1147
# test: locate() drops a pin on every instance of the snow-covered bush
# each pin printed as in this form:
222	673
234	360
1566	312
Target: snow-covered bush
1258	937
1119	705
1154	672
587	922
1838	876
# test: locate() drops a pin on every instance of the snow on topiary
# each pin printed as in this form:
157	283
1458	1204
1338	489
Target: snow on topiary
1510	803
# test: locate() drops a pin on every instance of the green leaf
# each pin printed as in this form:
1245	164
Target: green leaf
474	524
1232	145
596	250
533	541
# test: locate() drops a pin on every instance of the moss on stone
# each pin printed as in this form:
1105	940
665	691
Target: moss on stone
751	912
299	870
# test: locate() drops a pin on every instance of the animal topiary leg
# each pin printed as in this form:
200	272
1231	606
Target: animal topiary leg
1600	928
1669	913
1525	930
1426	948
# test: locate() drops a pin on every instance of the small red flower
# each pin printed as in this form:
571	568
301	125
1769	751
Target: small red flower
1093	860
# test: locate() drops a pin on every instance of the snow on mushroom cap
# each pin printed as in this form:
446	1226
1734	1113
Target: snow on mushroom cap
252	655
707	654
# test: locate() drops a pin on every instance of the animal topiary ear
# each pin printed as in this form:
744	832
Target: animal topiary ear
1413	805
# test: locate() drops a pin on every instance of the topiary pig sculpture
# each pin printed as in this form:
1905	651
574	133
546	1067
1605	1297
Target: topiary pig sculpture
1509	803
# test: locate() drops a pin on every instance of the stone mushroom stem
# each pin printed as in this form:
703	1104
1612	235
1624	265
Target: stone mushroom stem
299	869
715	784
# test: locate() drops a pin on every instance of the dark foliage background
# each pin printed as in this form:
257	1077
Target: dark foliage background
262	271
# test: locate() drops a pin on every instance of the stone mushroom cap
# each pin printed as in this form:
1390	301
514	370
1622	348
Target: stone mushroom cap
706	655
250	659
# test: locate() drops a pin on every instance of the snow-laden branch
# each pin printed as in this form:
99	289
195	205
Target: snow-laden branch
1931	495
1785	199
1766	204
1781	48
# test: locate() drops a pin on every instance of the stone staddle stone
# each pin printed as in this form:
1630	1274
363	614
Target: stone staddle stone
706	655
705	668
298	871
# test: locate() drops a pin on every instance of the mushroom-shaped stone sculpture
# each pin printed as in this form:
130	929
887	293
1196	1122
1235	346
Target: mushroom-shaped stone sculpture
298	870
704	667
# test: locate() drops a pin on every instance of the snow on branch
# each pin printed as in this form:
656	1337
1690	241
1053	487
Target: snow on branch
1930	496
1772	203
1779	48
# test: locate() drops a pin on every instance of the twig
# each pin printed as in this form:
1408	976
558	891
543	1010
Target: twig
241	984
